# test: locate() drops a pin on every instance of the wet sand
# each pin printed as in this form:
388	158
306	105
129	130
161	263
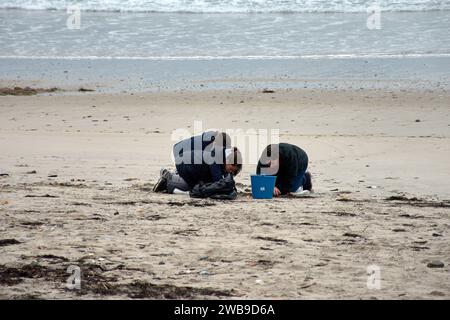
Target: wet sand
76	171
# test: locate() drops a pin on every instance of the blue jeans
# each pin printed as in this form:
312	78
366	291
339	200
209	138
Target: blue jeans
298	181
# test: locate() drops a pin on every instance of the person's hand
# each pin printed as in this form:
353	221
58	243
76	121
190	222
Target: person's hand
276	192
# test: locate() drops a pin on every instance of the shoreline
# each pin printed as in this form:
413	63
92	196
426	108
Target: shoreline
118	76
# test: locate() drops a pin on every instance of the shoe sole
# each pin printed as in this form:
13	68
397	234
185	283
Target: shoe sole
157	186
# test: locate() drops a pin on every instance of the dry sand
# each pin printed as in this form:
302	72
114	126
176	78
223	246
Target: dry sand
75	189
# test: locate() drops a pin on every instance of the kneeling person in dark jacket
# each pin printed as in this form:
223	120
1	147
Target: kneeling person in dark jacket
205	158
288	163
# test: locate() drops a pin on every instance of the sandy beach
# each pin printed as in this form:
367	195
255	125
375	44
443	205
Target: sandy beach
77	170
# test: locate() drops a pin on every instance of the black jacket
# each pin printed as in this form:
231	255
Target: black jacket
293	161
198	143
201	169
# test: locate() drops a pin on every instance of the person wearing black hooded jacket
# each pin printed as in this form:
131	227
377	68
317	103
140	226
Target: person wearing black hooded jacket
206	158
289	164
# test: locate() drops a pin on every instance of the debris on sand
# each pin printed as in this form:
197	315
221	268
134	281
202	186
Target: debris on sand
187	232
31	223
400	198
145	290
14	275
353	235
265	90
8	242
420	248
406	215
40	196
307	285
85	90
26	91
278	241
417	202
52	258
82	204
435	264
153	217
204	273
95	282
264	263
340	213
345	198
176	203
437	294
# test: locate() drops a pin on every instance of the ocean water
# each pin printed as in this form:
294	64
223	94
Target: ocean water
145	32
230	6
224	28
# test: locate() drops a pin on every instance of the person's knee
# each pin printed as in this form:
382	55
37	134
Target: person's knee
175	181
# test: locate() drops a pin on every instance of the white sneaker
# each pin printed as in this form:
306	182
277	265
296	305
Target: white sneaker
300	192
178	191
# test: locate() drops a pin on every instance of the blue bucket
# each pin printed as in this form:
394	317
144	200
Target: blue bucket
262	186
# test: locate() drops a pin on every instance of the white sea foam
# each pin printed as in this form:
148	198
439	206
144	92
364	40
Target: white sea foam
230	6
254	57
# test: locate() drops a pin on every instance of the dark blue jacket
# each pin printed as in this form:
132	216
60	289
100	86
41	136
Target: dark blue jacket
200	167
199	143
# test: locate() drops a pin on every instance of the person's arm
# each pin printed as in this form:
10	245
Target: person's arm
283	183
258	168
289	170
217	172
276	191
